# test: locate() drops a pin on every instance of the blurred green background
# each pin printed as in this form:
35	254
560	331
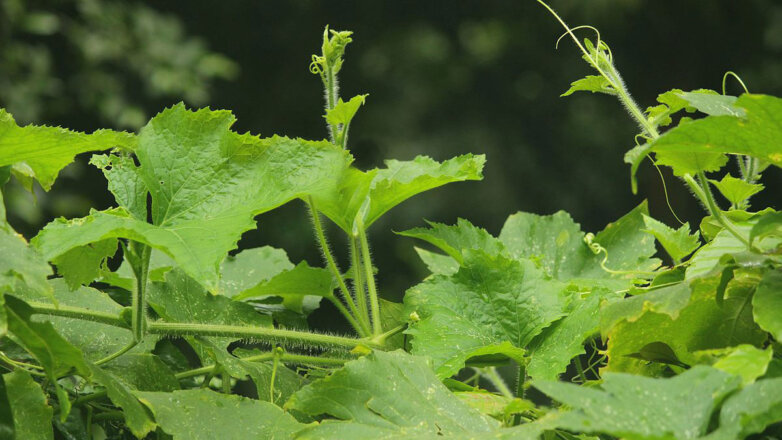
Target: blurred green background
444	78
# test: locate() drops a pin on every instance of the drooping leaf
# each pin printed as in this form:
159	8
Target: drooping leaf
32	415
293	286
750	410
46	150
394	391
767	303
701	325
637	408
136	418
590	83
736	190
250	267
558	244
454	240
493	304
204	181
677	242
374	192
701	144
55	354
206	415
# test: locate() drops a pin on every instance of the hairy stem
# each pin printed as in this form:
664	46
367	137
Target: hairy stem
374	303
117	354
77	313
358	282
361	328
260	333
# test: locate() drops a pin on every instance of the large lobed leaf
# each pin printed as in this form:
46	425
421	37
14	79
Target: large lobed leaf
493	304
206	184
41	151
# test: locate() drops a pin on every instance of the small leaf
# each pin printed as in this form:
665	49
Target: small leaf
767	303
206	415
590	83
745	361
659	352
250	267
677	242
83	264
736	190
680	407
438	264
343	112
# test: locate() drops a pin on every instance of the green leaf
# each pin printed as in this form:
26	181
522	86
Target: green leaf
286	381
95	340
204	180
702	144
668	300
493	304
454	240
343	112
736	190
135	415
677	242
82	265
702	324
590	83
143	372
181	299
712	103
769	224
250	267
56	355
635	407
20	264
438	264
767	303
46	150
745	361
6	415
552	350
374	192
32	415
393	390
206	415
750	410
293	286
557	243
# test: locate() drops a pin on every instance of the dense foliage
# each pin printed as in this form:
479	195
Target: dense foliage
135	322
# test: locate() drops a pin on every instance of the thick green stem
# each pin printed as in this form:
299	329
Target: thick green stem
139	301
260	333
374	303
332	94
521	379
383	337
77	313
361	328
358	282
